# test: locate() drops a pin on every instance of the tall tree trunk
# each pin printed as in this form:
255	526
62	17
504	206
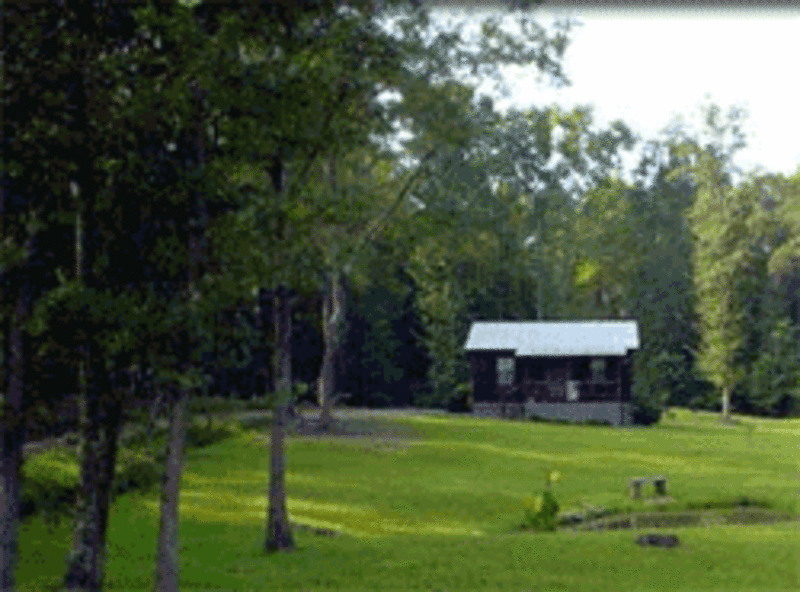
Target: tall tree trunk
261	355
101	408
279	534
332	310
13	431
167	556
101	418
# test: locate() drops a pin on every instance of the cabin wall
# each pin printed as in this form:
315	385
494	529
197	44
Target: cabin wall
484	377
548	379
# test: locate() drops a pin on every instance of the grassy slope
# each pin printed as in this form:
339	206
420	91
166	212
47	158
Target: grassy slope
436	509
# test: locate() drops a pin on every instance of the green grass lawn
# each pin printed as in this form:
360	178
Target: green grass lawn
434	503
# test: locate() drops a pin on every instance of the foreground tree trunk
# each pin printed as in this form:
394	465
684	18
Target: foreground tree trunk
13	433
167	556
261	356
279	534
332	310
101	418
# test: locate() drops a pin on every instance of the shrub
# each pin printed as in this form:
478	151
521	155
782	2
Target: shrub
50	480
461	401
137	471
379	400
540	512
263	403
205	433
215	405
645	411
49	484
305	393
152	437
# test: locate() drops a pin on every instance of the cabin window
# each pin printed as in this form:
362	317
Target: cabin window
505	371
598	369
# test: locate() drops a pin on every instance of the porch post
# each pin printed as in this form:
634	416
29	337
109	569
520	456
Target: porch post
569	378
619	391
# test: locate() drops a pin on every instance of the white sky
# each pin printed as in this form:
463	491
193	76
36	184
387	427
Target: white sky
645	66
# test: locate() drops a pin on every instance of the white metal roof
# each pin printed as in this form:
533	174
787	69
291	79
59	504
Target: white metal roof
535	338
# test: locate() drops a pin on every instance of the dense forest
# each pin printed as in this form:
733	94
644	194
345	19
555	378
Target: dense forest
609	250
297	200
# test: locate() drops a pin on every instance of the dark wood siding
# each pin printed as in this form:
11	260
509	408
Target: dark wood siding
484	377
545	379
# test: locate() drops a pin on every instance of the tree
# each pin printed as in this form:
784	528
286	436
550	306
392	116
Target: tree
132	255
44	97
514	215
765	288
777	223
717	229
608	254
538	161
279	258
775	375
662	291
717	221
368	196
311	56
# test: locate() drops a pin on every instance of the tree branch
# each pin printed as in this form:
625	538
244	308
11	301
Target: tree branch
369	233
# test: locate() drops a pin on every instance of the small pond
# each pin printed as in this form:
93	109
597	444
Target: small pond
741	517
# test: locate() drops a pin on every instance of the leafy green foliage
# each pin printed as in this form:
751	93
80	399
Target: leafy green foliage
718	226
138	469
541	512
206	433
645	410
608	252
49	484
775	375
51	479
462	399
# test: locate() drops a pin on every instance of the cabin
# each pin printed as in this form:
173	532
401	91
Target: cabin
576	371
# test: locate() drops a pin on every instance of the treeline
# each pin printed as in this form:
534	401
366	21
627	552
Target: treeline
609	250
